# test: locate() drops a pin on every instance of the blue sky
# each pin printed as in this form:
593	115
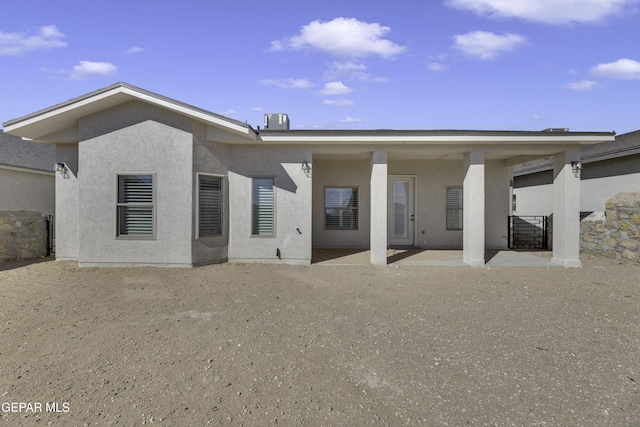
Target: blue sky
418	64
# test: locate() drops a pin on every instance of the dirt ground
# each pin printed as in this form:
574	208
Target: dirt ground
256	345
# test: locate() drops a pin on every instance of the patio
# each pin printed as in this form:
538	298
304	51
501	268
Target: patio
432	257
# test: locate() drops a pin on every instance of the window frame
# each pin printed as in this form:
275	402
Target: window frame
356	208
220	207
454	208
152	205
273	207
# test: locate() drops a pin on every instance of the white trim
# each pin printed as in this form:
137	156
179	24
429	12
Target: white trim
435	139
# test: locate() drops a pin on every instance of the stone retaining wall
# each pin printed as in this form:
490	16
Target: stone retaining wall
23	235
615	233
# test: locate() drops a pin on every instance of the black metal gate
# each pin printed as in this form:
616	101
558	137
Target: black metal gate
51	235
528	232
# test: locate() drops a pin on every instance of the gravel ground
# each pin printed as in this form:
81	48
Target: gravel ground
256	345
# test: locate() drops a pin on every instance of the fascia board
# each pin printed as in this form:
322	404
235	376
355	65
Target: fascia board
435	139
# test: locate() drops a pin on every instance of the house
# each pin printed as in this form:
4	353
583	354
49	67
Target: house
607	169
148	180
27	180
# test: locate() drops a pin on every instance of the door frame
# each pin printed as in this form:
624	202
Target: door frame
390	212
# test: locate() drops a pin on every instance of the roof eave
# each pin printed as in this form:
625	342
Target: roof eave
31	125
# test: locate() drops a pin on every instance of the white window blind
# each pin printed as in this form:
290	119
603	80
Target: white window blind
263	217
454	208
210	206
135	205
341	208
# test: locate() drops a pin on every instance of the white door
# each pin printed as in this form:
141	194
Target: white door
401	211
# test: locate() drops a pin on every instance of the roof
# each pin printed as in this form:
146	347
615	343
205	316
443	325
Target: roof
433	135
58	124
626	144
16	152
65	115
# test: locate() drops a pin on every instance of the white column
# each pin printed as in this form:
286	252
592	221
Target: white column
378	233
473	242
566	209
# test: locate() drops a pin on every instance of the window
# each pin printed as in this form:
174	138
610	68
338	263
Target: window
135	206
341	208
209	206
454	208
263	207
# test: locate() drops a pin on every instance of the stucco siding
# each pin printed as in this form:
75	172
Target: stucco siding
341	173
292	196
67	232
210	158
600	181
497	206
25	190
433	179
154	143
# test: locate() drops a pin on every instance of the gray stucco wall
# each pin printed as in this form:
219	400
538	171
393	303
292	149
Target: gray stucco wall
135	138
341	173
497	205
210	158
292	204
599	182
25	190
433	179
67	203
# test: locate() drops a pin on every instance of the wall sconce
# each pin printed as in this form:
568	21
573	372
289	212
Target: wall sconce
63	169
576	168
306	168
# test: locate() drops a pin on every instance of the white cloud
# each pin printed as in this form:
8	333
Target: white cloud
537	117
335	88
625	69
89	68
350	119
487	45
582	85
436	66
337	69
48	37
338	102
343	37
134	49
257	109
351	70
547	11
288	83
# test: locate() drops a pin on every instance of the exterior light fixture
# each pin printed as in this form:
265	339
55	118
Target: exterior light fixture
63	169
306	168
576	168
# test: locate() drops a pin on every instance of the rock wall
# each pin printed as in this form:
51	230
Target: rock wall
615	233
23	235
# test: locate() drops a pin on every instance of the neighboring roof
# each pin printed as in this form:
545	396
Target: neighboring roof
16	152
626	144
64	116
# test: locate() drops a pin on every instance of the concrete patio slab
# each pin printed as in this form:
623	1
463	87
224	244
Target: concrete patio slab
433	258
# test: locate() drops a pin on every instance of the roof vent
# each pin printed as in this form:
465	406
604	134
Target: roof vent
276	121
556	130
